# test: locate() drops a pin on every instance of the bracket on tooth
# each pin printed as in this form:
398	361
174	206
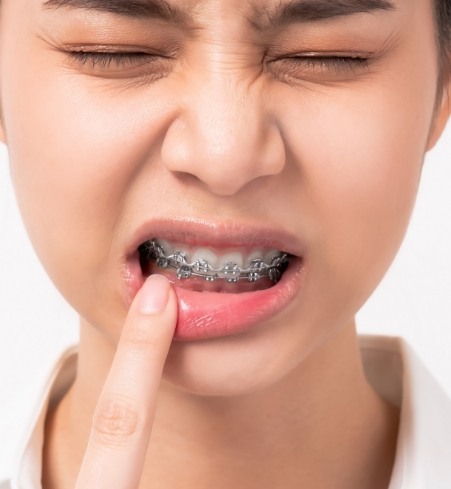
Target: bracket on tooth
184	272
162	262
257	270
179	257
202	266
274	274
230	272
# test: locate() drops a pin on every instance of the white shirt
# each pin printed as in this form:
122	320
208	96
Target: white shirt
423	455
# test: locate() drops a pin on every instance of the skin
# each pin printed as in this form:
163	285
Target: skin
206	134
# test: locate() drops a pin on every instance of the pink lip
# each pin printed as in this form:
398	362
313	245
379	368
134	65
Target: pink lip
204	315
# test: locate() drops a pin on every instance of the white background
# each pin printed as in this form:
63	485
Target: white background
413	301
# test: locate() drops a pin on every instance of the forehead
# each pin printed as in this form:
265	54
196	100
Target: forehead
259	12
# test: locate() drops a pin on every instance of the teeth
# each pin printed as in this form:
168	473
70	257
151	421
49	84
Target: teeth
231	265
270	255
169	248
233	257
256	254
201	254
205	254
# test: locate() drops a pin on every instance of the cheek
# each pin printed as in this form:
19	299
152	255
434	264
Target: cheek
76	149
359	153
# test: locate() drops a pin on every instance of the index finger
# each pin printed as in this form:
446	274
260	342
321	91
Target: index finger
124	414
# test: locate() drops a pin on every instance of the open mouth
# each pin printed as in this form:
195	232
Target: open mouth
258	272
202	269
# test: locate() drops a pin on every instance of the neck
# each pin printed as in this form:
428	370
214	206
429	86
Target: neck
322	425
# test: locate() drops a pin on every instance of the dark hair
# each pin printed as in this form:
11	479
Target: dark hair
443	16
443	22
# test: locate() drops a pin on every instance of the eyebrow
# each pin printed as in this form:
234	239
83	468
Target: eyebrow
317	10
159	9
284	14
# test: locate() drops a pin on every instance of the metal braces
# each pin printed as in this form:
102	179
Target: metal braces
230	272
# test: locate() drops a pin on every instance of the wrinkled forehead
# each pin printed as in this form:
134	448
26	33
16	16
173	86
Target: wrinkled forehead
258	12
233	18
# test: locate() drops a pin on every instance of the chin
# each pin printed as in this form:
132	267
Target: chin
237	365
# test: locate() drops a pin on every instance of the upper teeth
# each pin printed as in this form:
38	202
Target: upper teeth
203	262
242	258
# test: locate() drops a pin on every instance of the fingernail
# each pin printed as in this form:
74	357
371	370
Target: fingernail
153	295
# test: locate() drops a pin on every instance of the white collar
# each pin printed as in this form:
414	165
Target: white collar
423	454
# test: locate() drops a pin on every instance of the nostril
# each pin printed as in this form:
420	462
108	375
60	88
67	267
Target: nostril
225	140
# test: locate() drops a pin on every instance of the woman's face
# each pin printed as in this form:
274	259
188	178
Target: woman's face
221	124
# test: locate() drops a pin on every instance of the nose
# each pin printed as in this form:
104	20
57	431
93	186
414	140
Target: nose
224	136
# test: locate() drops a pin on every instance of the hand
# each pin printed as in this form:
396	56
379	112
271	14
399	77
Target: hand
123	418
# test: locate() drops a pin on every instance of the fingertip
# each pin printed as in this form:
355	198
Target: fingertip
154	295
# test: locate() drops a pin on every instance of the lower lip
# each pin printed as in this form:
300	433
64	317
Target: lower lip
207	315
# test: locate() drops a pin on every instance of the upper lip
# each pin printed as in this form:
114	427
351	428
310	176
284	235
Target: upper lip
225	234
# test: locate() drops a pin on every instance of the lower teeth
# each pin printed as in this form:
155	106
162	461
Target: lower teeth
230	272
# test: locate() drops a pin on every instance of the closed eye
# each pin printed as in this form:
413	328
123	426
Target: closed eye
337	63
106	60
116	63
321	67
